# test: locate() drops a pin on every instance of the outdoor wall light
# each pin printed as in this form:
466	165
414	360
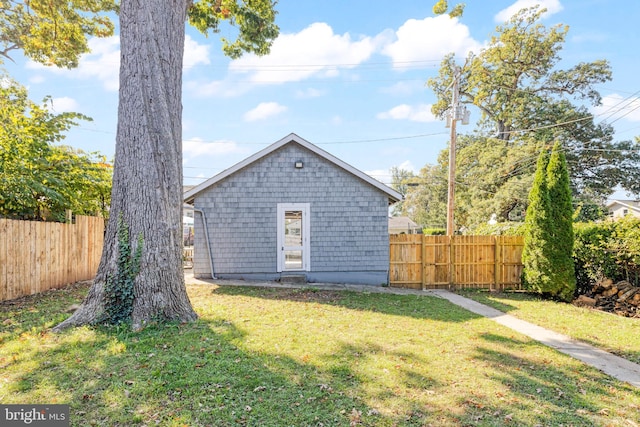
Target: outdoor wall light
299	164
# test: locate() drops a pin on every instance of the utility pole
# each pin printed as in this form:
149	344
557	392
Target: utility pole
451	192
456	112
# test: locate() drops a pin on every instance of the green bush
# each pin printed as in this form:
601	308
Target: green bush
608	249
500	229
434	231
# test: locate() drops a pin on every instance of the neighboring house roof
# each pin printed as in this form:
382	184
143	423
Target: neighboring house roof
393	195
632	205
402	223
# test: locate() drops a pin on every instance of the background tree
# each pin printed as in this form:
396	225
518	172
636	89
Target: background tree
561	226
53	32
536	254
525	100
425	200
401	180
146	201
39	178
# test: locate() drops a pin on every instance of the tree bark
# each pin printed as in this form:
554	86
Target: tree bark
147	181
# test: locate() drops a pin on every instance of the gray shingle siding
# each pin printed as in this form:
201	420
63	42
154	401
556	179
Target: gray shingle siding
348	219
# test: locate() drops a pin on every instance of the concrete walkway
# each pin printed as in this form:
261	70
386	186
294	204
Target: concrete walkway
608	363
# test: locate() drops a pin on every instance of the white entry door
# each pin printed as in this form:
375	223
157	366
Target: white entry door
293	237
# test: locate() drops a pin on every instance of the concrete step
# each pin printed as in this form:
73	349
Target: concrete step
293	278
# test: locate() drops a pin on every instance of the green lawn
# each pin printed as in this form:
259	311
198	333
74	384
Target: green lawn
265	357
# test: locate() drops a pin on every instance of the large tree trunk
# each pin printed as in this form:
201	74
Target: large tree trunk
147	181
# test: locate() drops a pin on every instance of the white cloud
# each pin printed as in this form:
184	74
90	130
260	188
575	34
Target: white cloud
103	61
195	53
5	82
552	6
314	51
63	104
381	175
195	147
407	166
418	113
429	39
222	88
309	93
264	110
616	106
36	79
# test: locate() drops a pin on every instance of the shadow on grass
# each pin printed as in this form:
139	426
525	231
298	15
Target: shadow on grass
180	375
573	393
414	306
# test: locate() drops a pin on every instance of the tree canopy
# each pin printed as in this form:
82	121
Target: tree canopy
41	179
53	32
526	101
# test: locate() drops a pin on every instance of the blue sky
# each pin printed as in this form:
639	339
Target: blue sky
348	76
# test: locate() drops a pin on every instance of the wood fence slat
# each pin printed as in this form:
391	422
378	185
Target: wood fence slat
38	256
491	262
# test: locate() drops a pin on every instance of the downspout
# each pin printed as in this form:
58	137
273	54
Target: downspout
206	236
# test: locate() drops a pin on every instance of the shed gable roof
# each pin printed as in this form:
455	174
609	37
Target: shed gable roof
393	195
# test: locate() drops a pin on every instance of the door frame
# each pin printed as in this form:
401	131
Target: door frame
306	228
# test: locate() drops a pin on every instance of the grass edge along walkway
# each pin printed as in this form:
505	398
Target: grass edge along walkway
608	363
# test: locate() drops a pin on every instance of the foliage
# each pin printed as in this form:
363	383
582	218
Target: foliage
425	200
255	20
53	32
434	231
538	240
511	228
287	357
493	178
548	230
607	249
401	180
526	101
560	225
39	179
119	289
442	6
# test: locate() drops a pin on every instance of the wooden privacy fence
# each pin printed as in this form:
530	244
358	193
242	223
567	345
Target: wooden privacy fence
38	256
431	262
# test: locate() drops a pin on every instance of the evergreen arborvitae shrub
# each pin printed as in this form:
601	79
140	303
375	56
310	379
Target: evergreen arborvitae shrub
562	274
537	233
